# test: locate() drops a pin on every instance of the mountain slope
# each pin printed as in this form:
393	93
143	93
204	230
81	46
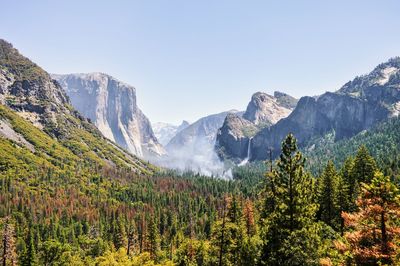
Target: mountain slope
382	140
28	91
111	106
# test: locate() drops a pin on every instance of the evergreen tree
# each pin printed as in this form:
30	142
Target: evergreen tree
350	183
343	201
120	237
328	193
288	210
153	239
364	166
30	257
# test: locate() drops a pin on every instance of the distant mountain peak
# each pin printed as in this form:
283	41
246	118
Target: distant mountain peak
266	109
385	74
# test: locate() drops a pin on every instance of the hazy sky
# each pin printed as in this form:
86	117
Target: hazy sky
189	58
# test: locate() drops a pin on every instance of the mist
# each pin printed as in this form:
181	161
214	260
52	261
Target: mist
198	156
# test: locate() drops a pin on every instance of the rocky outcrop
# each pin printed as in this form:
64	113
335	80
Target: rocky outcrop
233	137
30	91
357	106
165	132
264	110
111	106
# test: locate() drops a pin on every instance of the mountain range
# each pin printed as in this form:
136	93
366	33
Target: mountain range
97	115
356	106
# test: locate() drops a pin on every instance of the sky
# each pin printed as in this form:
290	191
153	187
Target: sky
188	59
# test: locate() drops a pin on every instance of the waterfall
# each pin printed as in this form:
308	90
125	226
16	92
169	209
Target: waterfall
246	160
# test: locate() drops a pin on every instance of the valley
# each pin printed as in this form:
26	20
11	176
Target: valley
87	179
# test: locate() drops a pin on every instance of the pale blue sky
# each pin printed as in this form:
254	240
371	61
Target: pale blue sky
189	58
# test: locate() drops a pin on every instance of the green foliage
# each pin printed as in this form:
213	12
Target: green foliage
289	210
69	207
364	166
383	142
20	66
328	196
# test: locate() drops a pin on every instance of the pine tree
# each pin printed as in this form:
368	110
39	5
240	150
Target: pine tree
153	239
328	193
289	210
343	201
364	166
228	234
375	226
30	257
120	238
350	182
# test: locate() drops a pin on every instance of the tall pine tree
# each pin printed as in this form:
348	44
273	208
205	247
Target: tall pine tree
328	193
289	211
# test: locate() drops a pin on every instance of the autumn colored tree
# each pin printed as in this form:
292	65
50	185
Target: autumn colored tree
249	218
8	256
374	228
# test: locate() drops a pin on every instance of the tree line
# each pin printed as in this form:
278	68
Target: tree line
348	215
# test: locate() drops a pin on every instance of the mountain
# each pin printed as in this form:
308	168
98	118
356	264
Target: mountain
111	105
264	110
203	130
36	116
193	147
165	132
358	105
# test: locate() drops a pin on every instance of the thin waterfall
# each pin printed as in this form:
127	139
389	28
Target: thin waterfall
246	160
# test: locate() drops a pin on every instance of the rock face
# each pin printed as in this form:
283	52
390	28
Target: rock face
112	107
234	138
165	132
357	106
